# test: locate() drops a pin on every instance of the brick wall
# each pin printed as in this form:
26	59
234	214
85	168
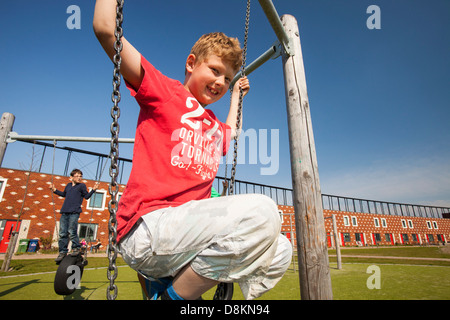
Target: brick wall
356	229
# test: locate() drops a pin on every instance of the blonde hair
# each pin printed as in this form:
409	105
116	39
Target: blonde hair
219	44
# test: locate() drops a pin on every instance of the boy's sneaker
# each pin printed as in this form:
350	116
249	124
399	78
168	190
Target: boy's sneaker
60	257
75	251
156	287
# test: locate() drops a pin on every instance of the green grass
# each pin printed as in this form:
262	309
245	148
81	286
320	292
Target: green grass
399	252
398	282
27	266
423	252
399	279
93	286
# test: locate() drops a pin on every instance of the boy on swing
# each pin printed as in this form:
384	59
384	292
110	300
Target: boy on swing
167	224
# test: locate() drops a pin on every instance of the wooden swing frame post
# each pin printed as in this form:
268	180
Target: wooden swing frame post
336	242
6	125
315	280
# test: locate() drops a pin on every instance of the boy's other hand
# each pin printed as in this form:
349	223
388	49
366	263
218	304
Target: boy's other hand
244	84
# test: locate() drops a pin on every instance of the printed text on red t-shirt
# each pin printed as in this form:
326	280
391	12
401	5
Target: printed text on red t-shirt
200	146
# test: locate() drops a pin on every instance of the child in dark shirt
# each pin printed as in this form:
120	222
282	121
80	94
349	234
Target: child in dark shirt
74	193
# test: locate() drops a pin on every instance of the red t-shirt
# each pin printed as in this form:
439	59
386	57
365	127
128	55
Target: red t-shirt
177	149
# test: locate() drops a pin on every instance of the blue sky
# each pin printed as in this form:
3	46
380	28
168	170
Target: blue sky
379	98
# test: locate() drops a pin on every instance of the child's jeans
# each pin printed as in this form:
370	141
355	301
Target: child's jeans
228	239
68	225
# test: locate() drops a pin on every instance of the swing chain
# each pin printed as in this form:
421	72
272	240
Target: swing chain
114	156
53	197
241	100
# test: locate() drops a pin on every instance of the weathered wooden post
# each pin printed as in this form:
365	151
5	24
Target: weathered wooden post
336	241
315	281
6	124
10	251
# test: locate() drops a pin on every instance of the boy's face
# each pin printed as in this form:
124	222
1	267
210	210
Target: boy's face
208	80
76	178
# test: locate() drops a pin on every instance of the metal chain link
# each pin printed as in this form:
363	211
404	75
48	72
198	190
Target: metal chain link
114	153
241	100
53	197
111	292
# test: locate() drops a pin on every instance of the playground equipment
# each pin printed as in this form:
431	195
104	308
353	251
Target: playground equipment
315	282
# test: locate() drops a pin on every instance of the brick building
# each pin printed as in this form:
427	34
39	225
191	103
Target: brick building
369	229
26	197
39	208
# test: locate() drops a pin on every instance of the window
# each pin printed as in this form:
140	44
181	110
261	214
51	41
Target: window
346	221
435	225
354	222
346	237
87	231
387	236
403	223
430	238
428	224
2	187
414	237
376	221
358	236
405	237
97	200
377	237
410	224
383	223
